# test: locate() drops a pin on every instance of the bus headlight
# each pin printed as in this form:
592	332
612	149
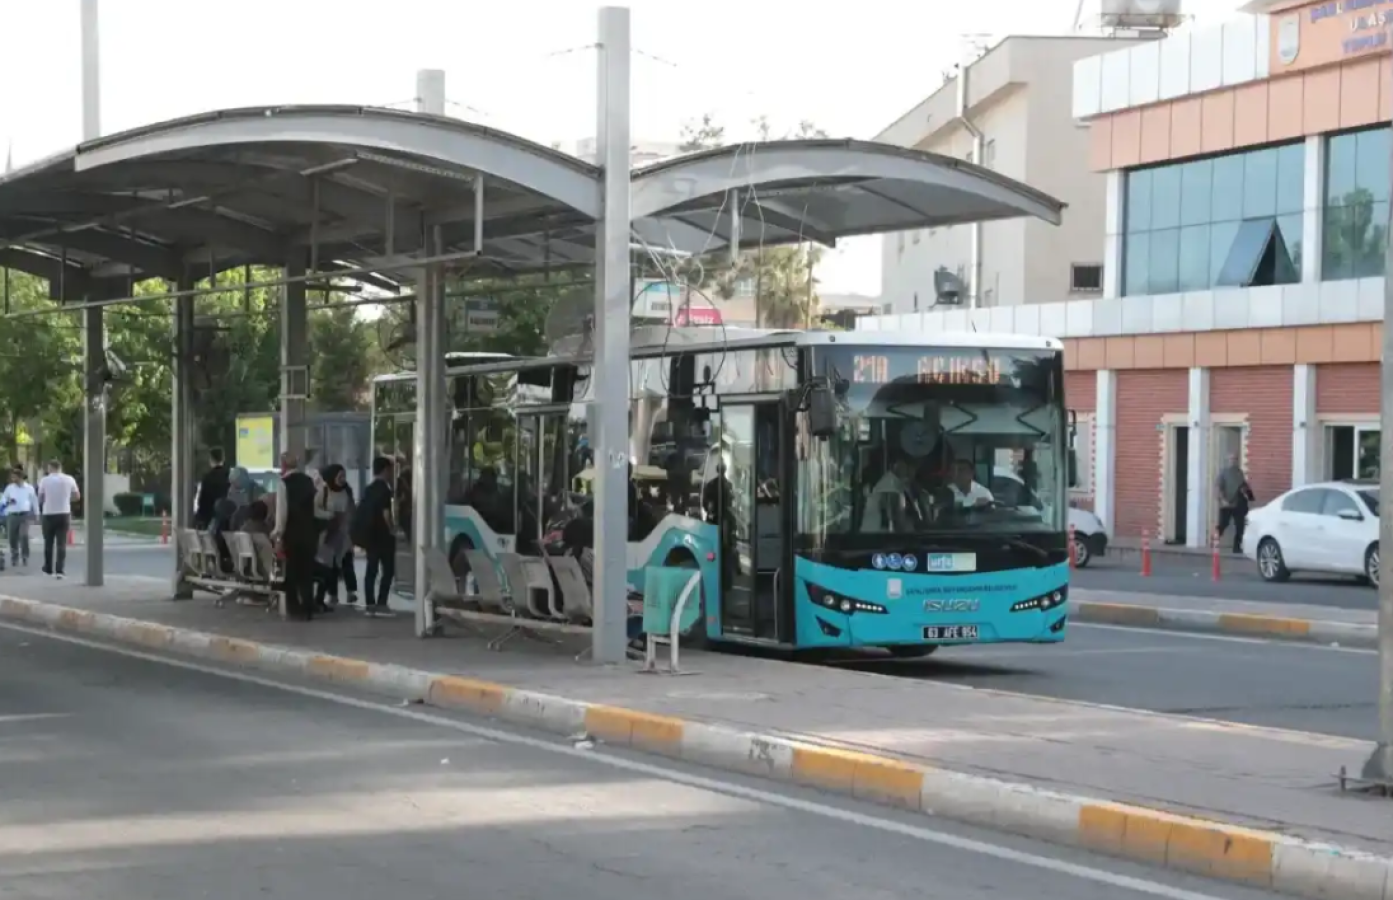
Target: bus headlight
1042	603
838	603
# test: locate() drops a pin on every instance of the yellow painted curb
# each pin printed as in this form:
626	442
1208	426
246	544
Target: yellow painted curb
1178	842
338	668
1120	614
17	609
631	728
859	774
76	619
149	634
478	696
234	650
1247	623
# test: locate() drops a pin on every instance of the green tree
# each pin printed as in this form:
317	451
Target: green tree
340	345
782	277
1356	236
40	361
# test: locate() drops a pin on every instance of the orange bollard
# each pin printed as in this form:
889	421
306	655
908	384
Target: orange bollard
1214	567
164	528
1146	554
1073	554
71	539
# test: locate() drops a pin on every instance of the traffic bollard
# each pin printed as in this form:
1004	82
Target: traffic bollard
1073	552
1214	566
1146	554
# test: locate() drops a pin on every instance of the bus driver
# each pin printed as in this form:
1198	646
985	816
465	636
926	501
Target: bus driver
967	493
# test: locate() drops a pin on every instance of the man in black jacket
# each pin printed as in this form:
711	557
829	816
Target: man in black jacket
297	533
212	488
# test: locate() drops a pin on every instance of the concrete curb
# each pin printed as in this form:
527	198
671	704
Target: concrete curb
1346	634
1208	848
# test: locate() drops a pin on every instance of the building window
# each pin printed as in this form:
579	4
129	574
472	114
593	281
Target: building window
1085	279
1356	204
1225	221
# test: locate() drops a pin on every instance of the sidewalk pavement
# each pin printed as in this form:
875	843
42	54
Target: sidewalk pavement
1229	801
113	538
1243	618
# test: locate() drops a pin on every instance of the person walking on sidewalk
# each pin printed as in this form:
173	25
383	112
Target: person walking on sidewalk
57	493
21	506
1235	494
374	530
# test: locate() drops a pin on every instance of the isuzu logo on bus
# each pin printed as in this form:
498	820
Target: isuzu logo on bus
953	606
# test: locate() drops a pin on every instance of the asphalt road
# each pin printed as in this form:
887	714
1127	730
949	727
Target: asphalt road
1280	685
1186	575
128	779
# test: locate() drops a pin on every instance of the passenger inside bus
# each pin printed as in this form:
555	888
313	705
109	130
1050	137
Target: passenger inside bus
967	493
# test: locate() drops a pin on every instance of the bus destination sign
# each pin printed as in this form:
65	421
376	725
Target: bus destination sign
930	368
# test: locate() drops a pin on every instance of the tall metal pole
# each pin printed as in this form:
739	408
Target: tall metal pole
1380	764
611	365
94	330
429	478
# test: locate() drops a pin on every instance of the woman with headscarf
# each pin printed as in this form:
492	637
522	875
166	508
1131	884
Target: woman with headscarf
242	491
333	507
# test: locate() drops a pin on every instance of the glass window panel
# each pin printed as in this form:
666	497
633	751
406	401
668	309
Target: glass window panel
1227	203
1368	227
1194	258
1139	200
1246	252
1291	178
1336	263
1221	237
1165	197
1340	167
1136	256
1164	260
1196	182
1260	183
1289	228
1372	159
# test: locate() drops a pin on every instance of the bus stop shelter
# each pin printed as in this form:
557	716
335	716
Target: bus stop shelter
402	201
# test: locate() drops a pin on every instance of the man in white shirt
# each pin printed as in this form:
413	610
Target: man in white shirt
57	491
967	493
21	505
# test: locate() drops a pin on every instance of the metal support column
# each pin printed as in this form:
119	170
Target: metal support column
94	331
611	366
295	354
183	429
94	444
427	500
428	478
1380	763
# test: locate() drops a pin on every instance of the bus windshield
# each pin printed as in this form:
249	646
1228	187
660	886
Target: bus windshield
936	441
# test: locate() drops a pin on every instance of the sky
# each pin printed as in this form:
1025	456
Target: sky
527	67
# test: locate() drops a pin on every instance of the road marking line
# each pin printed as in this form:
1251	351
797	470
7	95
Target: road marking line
603	757
32	717
1228	638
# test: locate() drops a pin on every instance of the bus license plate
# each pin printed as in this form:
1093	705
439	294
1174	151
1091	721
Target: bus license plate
950	632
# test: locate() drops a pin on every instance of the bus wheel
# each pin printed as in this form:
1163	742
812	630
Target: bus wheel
459	563
694	637
912	652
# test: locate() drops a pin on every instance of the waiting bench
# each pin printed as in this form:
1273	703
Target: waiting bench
514	591
255	569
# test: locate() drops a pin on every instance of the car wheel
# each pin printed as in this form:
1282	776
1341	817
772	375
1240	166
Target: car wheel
1082	555
1371	564
1271	565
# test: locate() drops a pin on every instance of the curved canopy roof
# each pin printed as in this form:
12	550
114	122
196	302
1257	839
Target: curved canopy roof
363	185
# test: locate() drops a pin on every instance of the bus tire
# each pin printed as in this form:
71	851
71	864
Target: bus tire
695	637
459	563
910	651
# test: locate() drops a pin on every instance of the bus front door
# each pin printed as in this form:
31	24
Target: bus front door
754	538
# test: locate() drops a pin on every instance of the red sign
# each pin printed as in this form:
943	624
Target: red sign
697	315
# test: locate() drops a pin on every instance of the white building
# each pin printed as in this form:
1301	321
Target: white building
1017	97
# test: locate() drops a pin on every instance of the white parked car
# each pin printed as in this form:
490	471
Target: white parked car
1090	537
1330	527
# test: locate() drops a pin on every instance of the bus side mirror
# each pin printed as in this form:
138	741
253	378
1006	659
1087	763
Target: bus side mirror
822	412
1073	459
1073	468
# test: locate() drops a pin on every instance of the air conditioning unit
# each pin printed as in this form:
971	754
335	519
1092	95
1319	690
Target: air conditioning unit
1140	13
